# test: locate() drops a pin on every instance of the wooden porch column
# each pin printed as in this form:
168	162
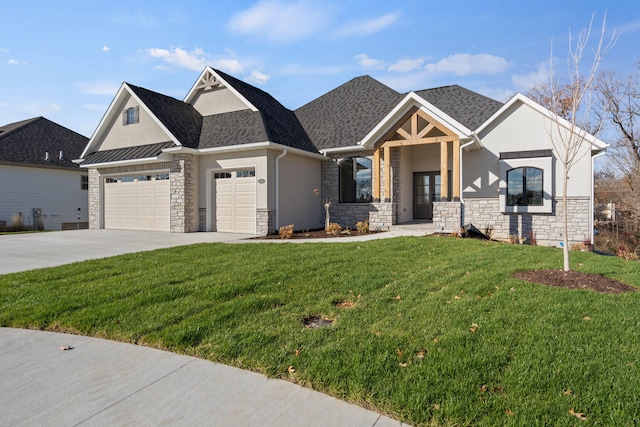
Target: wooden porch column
444	172
376	175
387	174
456	169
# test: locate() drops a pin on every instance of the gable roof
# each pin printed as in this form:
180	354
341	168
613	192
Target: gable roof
345	115
181	119
467	107
27	142
280	124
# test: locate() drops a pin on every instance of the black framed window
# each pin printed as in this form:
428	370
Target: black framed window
355	180
130	116
524	187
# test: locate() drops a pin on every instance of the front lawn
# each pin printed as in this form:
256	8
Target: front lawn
432	330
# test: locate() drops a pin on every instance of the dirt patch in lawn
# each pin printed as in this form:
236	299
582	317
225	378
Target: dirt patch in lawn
575	280
318	234
314	322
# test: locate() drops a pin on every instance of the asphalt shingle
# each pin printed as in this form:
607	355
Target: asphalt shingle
28	141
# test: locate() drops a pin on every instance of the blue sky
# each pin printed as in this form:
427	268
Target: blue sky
65	60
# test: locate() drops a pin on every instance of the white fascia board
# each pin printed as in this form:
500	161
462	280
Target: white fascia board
160	158
598	144
97	133
409	101
226	84
345	149
248	147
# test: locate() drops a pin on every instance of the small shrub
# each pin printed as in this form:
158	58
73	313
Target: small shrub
286	231
17	222
346	231
624	252
362	226
533	241
514	239
334	228
488	231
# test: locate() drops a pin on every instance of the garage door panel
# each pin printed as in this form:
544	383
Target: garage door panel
236	204
137	205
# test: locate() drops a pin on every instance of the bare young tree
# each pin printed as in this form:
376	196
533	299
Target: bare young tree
575	100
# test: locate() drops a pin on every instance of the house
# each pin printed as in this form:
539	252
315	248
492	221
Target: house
230	157
39	180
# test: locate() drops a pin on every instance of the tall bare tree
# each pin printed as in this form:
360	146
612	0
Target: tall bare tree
619	99
576	101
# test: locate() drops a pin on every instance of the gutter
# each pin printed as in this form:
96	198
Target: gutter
277	172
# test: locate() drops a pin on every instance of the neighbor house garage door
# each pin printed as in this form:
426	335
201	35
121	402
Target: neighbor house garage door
137	202
236	201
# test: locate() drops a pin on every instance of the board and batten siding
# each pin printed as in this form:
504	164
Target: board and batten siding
57	192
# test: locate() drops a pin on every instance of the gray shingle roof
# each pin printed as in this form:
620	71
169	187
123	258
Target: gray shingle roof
467	107
27	141
128	153
180	118
345	115
280	124
234	128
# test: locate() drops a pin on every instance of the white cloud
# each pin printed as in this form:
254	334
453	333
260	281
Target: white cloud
365	28
281	22
524	82
231	66
194	60
106	48
407	65
258	77
12	61
55	107
367	62
99	87
463	64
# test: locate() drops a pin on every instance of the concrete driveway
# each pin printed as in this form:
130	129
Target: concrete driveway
21	252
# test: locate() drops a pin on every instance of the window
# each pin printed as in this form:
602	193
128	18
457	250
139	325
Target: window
144	178
111	180
130	116
127	179
222	175
84	182
245	173
524	187
355	180
162	176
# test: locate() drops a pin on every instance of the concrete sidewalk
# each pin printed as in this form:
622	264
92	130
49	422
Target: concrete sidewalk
104	383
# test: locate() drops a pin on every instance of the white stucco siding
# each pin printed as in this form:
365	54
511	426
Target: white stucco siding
521	128
216	101
146	131
57	192
298	204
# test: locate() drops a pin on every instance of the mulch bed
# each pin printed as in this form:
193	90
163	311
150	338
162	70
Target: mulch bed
318	234
575	280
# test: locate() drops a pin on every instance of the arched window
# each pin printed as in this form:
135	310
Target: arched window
524	187
355	180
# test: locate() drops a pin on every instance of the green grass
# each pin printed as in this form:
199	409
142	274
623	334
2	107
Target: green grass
536	352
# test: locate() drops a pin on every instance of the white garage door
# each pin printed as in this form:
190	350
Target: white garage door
137	202
236	201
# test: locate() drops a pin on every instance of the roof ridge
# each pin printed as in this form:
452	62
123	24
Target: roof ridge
22	125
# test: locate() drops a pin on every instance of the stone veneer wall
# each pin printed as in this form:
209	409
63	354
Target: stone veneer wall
378	213
265	221
95	175
447	216
484	213
182	206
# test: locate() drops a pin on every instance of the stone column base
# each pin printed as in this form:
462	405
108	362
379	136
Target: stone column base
447	217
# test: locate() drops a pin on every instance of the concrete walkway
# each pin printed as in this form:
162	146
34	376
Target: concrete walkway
98	382
105	383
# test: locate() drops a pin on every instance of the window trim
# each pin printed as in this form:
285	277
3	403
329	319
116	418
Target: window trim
546	164
131	116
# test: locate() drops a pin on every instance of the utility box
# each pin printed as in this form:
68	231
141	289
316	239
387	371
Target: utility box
37	219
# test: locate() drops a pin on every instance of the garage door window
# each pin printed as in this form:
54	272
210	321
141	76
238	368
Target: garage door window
246	173
162	176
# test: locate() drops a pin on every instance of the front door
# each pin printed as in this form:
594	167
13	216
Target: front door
426	189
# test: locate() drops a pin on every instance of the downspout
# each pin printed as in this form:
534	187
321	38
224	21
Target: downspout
591	200
277	172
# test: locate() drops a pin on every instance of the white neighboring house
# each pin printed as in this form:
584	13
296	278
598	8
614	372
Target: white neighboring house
37	172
